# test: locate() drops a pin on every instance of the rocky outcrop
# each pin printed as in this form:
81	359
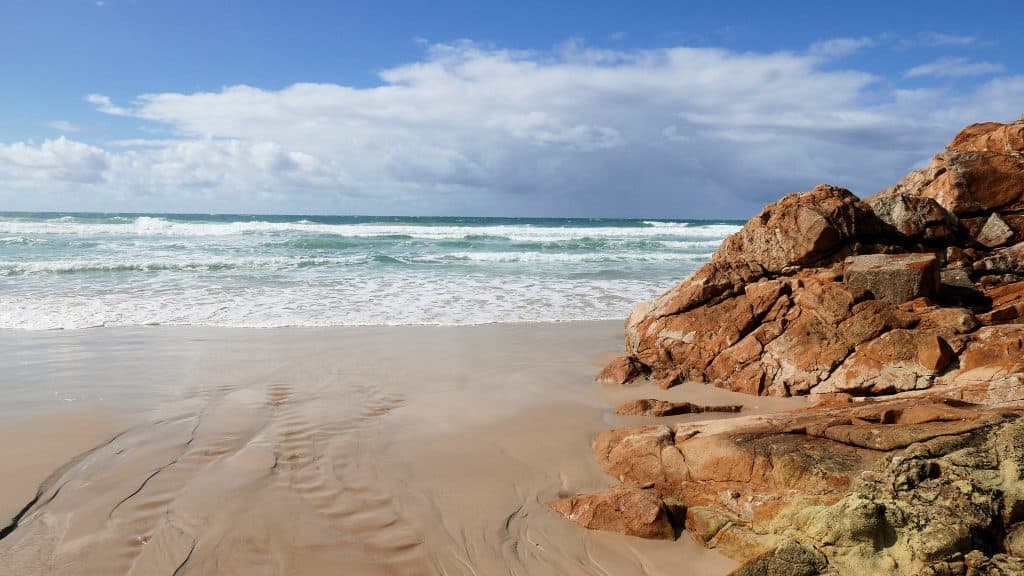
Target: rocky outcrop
981	171
903	317
824	292
888	486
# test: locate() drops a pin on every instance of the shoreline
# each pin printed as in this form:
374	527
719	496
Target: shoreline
388	449
307	326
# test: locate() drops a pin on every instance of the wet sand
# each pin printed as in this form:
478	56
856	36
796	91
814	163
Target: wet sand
377	450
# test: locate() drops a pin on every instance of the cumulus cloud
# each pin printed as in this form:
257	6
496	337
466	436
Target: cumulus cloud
955	68
61	160
576	130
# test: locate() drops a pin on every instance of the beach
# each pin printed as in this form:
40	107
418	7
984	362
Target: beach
373	450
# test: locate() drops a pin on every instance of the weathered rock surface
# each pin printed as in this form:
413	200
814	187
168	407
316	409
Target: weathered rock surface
1007	260
982	170
656	408
890	486
904	316
630	511
915	217
895	278
995	232
1007	305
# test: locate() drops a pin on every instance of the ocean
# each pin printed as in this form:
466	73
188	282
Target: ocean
88	270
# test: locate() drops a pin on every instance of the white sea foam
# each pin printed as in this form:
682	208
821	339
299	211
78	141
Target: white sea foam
151	226
660	224
8	268
399	300
85	271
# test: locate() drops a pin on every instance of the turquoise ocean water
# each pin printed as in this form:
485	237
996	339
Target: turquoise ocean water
87	270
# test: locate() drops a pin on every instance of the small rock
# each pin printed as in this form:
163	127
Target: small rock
629	511
995	232
933	353
621	370
954	255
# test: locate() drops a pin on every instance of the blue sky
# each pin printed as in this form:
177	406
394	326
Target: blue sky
646	109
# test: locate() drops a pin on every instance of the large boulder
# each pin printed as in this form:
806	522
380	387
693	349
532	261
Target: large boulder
896	278
799	229
779	337
982	170
915	217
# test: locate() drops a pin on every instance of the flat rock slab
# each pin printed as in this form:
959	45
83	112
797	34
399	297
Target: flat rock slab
896	278
656	408
995	232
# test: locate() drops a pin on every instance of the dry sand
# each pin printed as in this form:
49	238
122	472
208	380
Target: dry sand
383	450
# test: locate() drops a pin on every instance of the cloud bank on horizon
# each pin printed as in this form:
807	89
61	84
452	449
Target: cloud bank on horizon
484	130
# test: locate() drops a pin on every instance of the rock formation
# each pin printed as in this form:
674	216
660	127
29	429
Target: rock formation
902	316
824	292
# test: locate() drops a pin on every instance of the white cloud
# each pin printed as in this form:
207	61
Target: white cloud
61	160
63	126
840	47
104	104
954	68
935	39
473	129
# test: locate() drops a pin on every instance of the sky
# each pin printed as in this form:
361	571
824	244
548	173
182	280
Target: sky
648	109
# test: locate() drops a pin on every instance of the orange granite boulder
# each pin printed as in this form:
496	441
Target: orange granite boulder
903	317
802	297
981	170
